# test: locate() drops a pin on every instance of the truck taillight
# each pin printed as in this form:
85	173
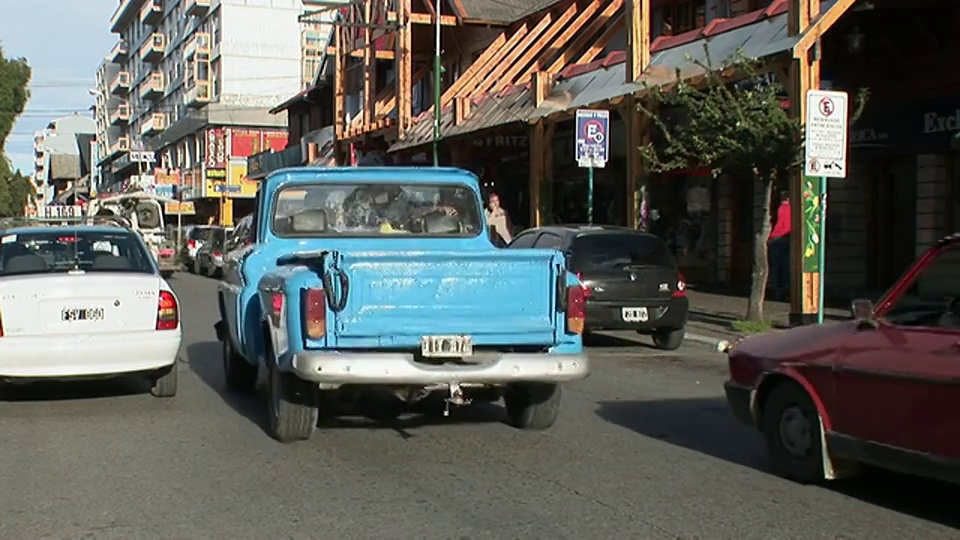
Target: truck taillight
167	311
576	309
276	308
314	313
681	289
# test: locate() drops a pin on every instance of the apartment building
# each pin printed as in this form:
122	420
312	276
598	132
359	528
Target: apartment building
190	83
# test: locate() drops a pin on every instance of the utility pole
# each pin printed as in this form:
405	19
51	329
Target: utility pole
436	88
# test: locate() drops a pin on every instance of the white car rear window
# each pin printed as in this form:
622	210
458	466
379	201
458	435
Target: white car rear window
65	250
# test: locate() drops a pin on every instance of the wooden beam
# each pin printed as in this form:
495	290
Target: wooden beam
537	169
339	81
387	101
461	109
404	66
638	38
425	18
584	37
486	62
541	87
369	68
558	24
637	130
601	43
560	44
429	5
516	59
812	34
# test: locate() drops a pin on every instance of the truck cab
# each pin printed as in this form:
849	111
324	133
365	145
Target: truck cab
386	279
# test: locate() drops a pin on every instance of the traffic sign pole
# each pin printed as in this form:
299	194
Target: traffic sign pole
822	255
590	195
825	156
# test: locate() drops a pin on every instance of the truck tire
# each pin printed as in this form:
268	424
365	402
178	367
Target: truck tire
533	406
239	374
293	404
164	385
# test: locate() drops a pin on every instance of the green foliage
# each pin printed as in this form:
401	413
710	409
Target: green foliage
14	76
750	327
739	129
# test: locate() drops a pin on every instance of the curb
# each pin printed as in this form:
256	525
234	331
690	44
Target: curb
718	345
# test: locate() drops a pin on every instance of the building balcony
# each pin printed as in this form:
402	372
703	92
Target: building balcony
199	95
121	115
153	86
151	12
119	52
39	162
197	7
120	84
40	177
121	145
154	48
155	123
198	44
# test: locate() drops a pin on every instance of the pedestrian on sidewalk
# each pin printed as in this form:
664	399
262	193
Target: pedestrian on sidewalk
778	251
498	218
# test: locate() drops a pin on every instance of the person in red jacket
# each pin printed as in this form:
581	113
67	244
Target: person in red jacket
778	247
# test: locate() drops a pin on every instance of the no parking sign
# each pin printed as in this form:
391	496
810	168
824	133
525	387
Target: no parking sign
592	141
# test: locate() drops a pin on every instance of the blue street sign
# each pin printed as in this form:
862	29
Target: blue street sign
224	188
164	190
592	143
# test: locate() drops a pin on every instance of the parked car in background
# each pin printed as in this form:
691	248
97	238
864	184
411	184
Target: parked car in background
209	258
241	235
192	241
880	389
629	276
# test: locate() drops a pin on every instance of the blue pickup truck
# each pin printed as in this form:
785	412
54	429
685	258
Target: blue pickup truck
385	279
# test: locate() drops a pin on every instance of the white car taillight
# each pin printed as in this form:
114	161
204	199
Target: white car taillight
167	311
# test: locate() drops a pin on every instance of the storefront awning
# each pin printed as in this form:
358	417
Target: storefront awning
756	36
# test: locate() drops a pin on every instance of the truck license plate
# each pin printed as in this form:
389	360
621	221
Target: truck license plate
446	346
81	314
635	314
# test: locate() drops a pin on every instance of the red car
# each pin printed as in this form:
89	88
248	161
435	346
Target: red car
881	389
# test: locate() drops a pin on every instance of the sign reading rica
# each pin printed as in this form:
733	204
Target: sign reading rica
825	152
592	141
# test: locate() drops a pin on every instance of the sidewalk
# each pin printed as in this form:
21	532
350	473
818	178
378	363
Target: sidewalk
711	314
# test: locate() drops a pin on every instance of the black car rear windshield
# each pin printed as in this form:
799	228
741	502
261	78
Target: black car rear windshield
619	250
63	250
197	233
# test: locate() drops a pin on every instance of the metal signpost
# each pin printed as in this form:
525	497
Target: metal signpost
592	146
825	157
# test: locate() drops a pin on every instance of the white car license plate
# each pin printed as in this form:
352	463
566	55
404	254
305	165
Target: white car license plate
81	314
635	314
446	346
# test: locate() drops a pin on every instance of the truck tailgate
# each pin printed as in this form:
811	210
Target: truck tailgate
499	297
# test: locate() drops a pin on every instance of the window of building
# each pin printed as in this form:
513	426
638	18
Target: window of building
679	16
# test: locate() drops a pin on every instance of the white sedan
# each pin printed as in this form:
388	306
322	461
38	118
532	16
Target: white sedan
85	301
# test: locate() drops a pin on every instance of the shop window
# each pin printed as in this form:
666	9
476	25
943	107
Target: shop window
679	16
682	213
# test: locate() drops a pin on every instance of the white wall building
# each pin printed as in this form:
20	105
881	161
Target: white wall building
181	66
57	154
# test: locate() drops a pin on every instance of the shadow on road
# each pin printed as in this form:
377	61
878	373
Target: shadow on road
613	341
205	360
74	390
708	427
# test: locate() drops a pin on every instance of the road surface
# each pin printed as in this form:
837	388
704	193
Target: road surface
645	448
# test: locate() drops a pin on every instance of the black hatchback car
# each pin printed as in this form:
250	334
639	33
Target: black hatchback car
630	277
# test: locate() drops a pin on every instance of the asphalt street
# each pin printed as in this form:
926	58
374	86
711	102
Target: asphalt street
646	448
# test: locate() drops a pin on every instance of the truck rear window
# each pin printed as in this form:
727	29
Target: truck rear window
63	250
381	209
618	250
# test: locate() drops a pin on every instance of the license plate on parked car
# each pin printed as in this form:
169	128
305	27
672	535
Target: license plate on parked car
446	346
81	314
635	314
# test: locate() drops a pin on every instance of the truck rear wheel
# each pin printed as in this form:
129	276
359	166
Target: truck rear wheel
533	406
294	405
240	374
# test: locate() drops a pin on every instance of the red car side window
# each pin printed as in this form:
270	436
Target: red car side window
928	294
